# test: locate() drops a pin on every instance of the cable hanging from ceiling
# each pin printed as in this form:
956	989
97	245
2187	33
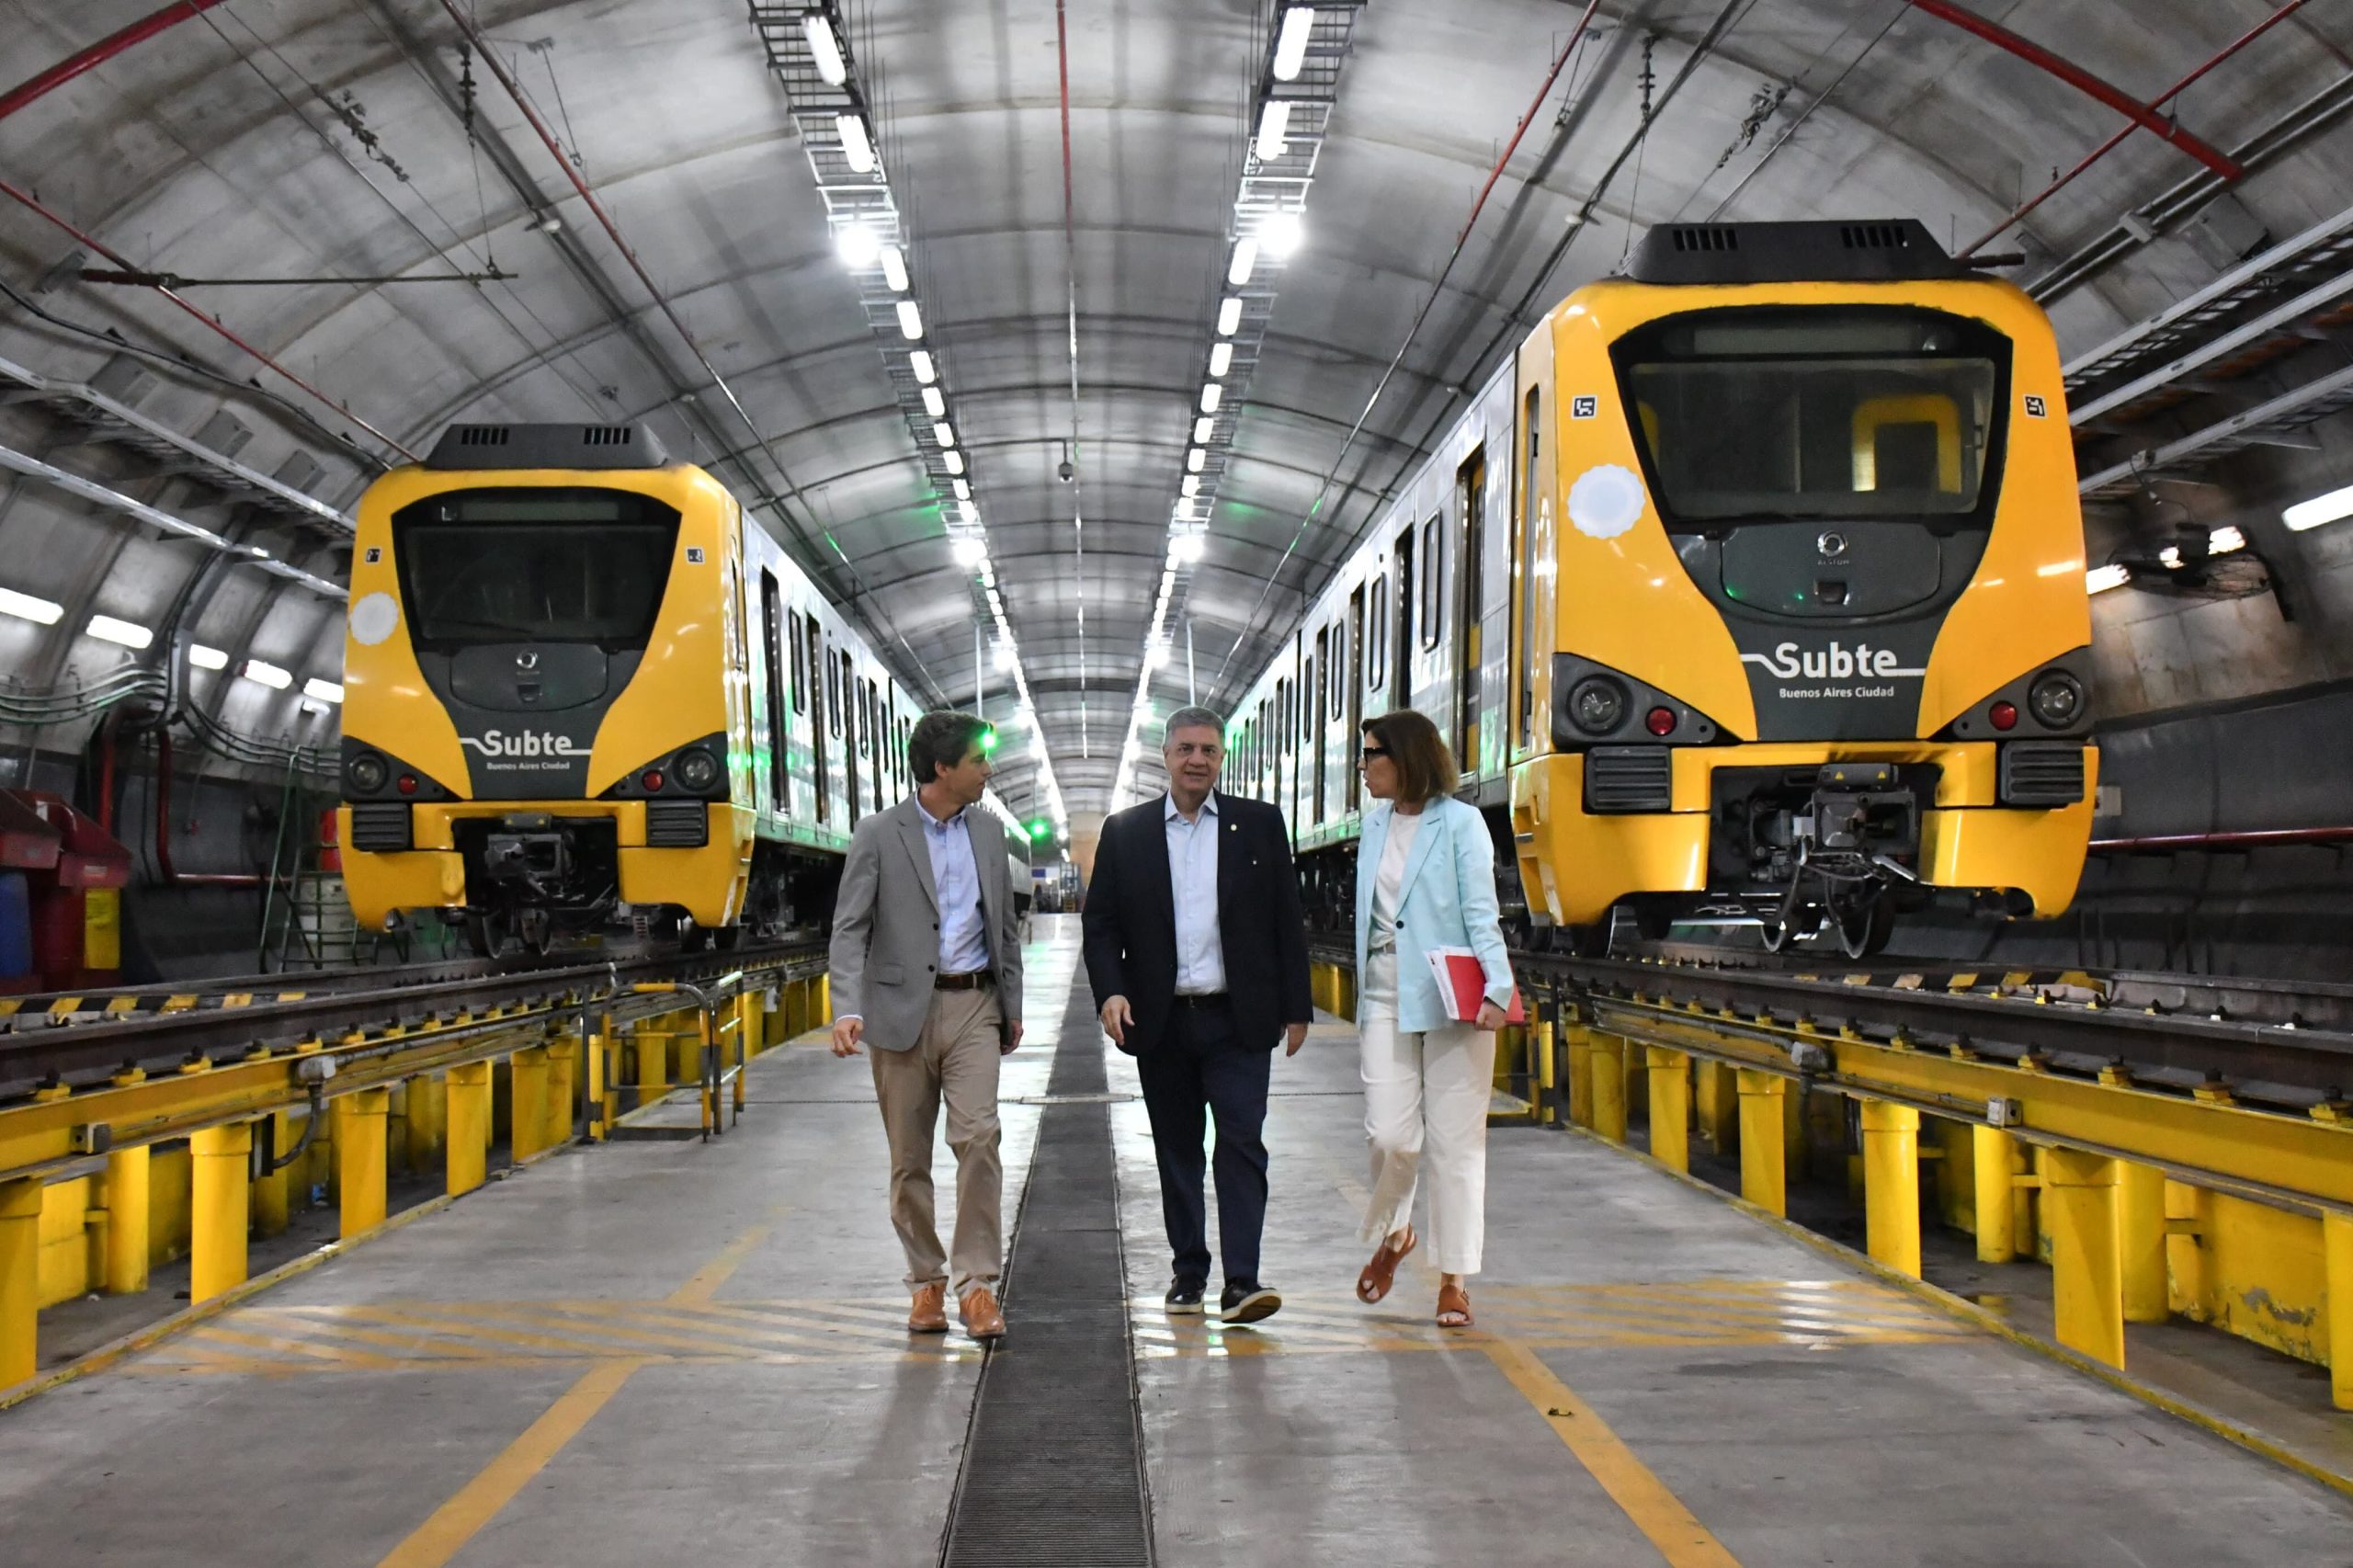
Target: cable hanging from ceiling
1296	89
812	56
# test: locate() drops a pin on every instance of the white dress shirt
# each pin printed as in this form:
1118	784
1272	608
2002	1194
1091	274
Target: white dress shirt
1192	883
955	878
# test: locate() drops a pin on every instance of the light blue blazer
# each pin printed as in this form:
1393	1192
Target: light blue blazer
1447	898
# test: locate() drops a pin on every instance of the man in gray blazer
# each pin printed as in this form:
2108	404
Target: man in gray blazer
926	970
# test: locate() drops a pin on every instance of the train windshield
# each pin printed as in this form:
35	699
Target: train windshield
534	565
1804	413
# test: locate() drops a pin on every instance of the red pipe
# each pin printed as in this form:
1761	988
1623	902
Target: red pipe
1525	120
2080	79
170	878
2255	838
2105	148
41	86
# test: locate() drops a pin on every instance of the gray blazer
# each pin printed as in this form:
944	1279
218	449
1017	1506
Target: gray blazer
886	923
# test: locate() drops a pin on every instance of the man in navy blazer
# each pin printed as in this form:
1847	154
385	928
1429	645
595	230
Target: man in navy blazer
1197	952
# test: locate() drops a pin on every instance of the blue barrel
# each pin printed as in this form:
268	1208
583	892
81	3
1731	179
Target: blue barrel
16	926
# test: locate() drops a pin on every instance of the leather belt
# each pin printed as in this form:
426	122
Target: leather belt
1214	999
977	979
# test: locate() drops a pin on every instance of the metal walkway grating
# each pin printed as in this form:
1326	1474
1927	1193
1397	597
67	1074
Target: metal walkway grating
1054	1470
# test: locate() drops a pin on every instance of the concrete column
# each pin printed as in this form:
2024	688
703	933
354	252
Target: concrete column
427	1123
2141	1238
652	1065
1892	1184
468	1143
526	1105
1717	1106
1609	1087
221	1166
362	1129
2086	1261
1993	1163
1578	1042
273	1203
1764	1131
564	1090
127	1192
2337	1251
19	1279
1670	1073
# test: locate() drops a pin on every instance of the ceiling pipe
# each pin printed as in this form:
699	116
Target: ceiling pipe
2083	81
2105	148
39	85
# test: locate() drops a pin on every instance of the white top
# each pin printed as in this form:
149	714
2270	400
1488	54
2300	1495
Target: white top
1388	882
1192	886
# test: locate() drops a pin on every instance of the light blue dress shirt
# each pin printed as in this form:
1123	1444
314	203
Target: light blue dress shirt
1192	882
963	940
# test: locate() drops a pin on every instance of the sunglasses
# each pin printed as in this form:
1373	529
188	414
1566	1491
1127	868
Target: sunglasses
1366	754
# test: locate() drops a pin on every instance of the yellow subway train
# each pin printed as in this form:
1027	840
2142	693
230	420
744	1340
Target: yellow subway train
1750	591
579	675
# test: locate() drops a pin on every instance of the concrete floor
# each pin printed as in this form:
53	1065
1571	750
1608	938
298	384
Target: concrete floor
672	1351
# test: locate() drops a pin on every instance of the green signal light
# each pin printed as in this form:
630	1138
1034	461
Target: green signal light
1042	829
988	741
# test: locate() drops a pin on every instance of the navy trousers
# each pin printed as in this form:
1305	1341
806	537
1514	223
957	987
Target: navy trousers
1200	1072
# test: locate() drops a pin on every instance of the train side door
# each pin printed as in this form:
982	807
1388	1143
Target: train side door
1350	781
1401	695
1317	725
1469	509
771	733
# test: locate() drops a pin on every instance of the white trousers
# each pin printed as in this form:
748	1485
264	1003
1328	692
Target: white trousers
1426	1093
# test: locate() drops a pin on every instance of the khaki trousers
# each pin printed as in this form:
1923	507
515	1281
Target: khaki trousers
954	1059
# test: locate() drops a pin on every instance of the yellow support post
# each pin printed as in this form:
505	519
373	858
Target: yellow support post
563	1092
1670	1073
1540	1043
593	1063
1764	1135
2079	1194
747	1011
527	1106
707	1061
1892	1184
272	1201
822	1006
2141	1236
19	1279
1994	1161
1717	1108
427	1123
362	1131
220	1185
127	1219
1579	1041
652	1065
1608	1070
467	1153
2337	1250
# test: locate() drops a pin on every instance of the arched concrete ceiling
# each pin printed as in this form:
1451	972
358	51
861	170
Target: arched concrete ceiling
233	145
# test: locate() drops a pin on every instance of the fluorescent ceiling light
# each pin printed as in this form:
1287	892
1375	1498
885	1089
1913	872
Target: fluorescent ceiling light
858	148
1190	485
109	629
1186	549
1193	461
24	607
1220	358
1003	660
1155	656
963	488
858	244
1291	43
2320	509
970	550
267	674
910	321
969	511
954	461
894	269
1245	256
1273	121
1229	314
205	658
1211	395
932	403
920	362
1184	512
1282	233
2099	579
943	432
1202	429
2224	539
325	690
835	69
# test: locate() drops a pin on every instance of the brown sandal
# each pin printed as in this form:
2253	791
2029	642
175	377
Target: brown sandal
1381	1272
1454	1307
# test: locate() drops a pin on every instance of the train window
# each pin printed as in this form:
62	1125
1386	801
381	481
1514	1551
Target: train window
1376	652
1532	490
833	698
772	667
1807	413
1429	613
799	666
537	565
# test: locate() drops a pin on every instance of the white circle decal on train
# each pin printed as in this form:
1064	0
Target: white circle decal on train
1606	501
374	617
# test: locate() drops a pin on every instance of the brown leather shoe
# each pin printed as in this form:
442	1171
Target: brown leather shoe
929	1314
982	1318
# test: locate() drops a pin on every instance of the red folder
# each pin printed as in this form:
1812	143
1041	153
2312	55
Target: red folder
1462	985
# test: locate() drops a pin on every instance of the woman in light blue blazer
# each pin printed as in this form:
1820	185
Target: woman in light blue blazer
1425	879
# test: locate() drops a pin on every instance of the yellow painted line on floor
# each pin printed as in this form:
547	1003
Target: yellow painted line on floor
705	1282
1680	1538
460	1519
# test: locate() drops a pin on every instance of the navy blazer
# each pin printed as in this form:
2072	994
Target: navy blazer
1131	920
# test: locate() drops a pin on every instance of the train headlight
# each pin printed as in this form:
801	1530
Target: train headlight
366	774
695	769
2057	699
1596	705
